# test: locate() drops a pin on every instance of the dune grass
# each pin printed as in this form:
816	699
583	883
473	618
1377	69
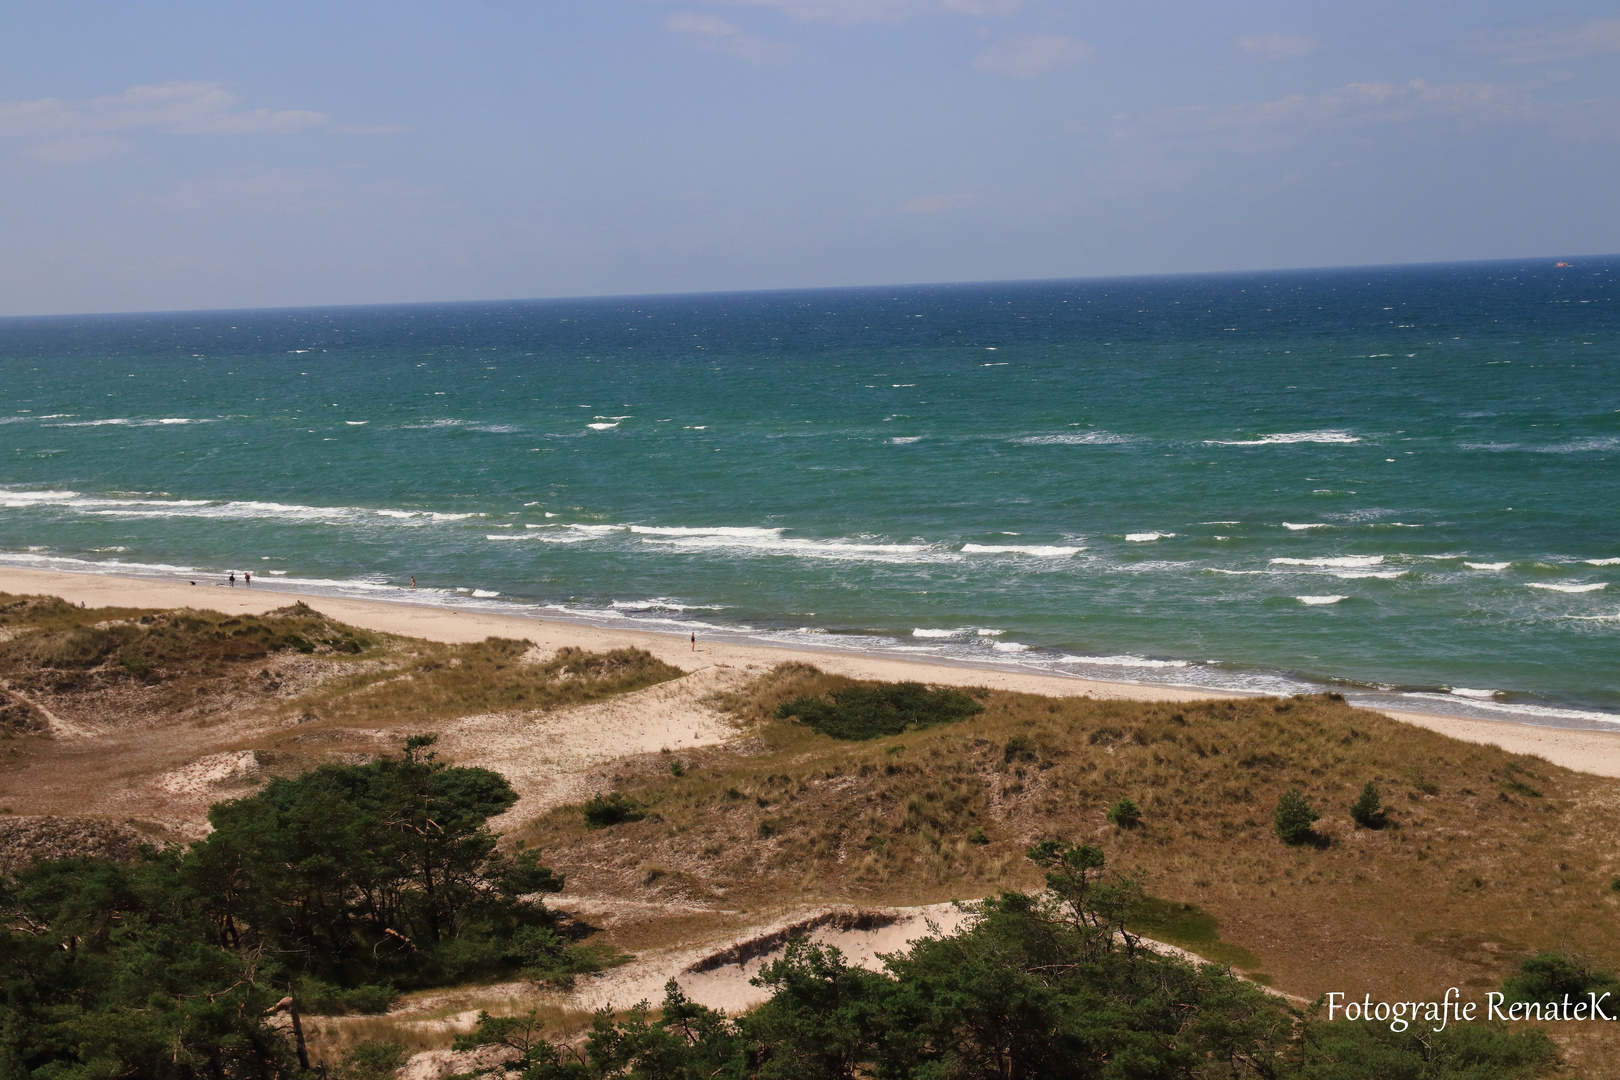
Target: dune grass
1470	871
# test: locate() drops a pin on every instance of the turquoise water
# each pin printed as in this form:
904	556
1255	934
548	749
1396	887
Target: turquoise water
1401	482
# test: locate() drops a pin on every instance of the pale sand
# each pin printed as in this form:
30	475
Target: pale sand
1596	752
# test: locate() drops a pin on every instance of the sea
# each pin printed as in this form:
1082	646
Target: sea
1399	483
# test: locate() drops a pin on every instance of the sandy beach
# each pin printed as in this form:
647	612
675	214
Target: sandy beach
1595	752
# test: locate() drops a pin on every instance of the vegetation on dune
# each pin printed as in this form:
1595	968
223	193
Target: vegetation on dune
1050	985
333	889
1484	875
868	711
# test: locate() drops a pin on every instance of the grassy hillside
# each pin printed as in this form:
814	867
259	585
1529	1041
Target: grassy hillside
1485	856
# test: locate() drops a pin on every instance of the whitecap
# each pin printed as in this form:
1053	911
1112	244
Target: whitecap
901	440
602	427
1282	438
706	530
845	550
986	632
1591	586
1487	565
660	603
1291	527
1478	695
357	423
485	594
1601	562
1009	646
1076	438
542	538
1383	575
927	633
1145	537
1339	560
1043	550
1545	711
1316	600
1125	661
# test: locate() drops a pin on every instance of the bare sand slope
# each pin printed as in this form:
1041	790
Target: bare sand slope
1596	752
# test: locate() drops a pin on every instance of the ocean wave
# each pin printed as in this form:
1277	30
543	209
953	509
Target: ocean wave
660	603
841	550
1287	437
1547	712
901	440
168	421
704	530
603	426
539	538
1076	438
1601	562
1356	575
1042	550
1315	601
925	632
1487	565
1147	537
1291	527
118	506
1337	560
1124	661
1009	647
1477	695
1552	586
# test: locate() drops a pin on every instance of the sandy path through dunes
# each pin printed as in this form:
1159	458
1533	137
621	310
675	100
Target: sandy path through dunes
1596	752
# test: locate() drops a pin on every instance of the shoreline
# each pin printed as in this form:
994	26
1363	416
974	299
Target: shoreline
1581	749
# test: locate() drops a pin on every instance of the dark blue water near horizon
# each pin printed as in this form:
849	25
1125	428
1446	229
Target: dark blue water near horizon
1399	481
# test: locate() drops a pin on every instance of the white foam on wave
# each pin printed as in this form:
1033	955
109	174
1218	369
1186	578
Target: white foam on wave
705	530
1477	695
987	632
1286	437
1009	646
840	549
99	566
1356	575
901	440
541	538
1601	562
1147	537
1291	527
1076	438
1124	661
485	594
603	426
661	603
1240	573
1050	551
925	632
1314	601
1552	586
1487	565
168	421
1337	560
1547	712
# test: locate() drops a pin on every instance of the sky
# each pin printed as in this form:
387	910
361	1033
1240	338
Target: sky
204	154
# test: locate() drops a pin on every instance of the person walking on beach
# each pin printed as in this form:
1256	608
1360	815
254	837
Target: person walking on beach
233	579
694	641
247	578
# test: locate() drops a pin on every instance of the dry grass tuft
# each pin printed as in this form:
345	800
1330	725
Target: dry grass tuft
1471	872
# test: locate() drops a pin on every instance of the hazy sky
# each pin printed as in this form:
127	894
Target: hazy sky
224	154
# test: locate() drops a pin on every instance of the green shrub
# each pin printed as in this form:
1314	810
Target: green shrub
373	1060
1294	817
677	769
1549	976
976	835
612	809
1367	811
1126	814
866	712
1018	747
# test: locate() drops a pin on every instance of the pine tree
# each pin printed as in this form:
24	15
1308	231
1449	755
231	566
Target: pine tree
1294	817
1367	811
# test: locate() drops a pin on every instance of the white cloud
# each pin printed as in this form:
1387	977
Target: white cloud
178	108
1366	106
1278	46
841	11
934	204
1030	55
1534	46
712	32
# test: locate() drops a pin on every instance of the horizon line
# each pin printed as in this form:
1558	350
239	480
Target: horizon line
677	294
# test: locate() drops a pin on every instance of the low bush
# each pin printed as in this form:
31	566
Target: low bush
614	808
866	712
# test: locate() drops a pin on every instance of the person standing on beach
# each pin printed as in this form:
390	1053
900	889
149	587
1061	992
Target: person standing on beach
247	578
694	641
233	579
